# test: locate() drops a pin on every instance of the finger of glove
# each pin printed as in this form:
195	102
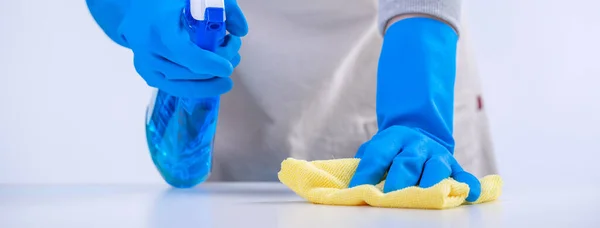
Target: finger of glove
199	89
406	169
235	61
377	157
436	169
148	74
198	60
236	21
361	150
230	47
465	177
174	71
190	88
179	48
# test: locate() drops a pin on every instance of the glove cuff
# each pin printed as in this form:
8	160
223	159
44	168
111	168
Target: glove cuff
447	10
416	76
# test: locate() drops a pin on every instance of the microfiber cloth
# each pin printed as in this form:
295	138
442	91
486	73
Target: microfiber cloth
326	182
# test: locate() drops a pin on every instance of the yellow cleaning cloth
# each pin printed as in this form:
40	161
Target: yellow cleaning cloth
326	182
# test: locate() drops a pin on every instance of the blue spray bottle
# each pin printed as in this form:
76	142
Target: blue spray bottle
180	131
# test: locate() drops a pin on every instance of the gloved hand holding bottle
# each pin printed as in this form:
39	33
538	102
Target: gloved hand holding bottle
164	54
415	99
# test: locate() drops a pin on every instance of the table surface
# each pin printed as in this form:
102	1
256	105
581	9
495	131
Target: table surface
273	205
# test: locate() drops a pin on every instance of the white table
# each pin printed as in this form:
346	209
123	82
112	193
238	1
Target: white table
273	205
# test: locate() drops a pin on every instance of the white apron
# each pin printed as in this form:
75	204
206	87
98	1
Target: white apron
306	89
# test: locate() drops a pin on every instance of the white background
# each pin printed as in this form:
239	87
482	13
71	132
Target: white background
72	106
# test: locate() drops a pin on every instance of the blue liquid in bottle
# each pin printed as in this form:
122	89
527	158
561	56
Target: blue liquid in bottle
180	132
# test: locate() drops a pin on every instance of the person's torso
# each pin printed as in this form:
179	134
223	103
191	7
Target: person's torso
305	87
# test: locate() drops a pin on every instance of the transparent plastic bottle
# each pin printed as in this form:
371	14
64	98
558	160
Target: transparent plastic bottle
180	132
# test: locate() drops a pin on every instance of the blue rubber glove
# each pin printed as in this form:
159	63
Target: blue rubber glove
164	55
415	99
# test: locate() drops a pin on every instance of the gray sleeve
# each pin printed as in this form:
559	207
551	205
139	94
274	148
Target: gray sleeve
447	10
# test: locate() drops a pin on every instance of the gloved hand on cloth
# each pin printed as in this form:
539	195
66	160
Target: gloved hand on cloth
415	102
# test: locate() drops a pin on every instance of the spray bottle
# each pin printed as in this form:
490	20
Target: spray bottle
180	131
